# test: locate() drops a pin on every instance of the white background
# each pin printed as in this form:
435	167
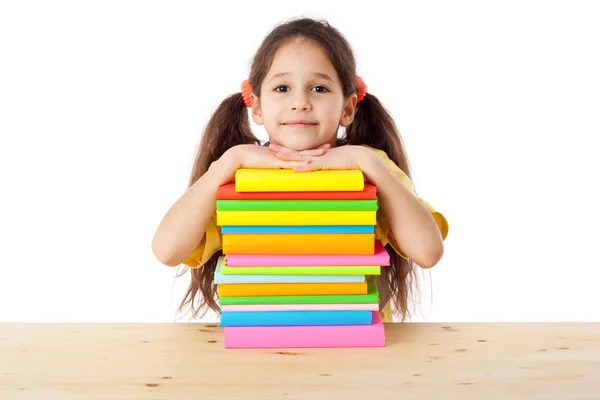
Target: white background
102	106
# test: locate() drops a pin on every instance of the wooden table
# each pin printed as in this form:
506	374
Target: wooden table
188	361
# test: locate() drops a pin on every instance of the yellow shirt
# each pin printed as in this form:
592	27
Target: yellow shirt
212	240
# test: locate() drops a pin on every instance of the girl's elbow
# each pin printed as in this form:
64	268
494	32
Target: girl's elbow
168	261
164	254
432	256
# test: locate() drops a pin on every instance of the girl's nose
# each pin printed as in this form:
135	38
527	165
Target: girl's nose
300	102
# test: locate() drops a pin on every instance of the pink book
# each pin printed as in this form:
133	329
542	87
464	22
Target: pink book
381	257
261	337
299	307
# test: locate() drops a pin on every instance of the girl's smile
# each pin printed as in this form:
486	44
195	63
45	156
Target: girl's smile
300	123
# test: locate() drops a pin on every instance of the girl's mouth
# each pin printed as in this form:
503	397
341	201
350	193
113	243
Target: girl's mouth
300	123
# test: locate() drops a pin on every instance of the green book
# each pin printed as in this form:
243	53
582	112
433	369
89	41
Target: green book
304	270
371	297
297	205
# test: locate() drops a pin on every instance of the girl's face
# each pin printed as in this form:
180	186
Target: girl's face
301	103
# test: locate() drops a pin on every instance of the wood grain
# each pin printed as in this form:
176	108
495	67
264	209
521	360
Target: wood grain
188	361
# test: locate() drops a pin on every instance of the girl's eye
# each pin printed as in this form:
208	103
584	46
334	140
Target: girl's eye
324	89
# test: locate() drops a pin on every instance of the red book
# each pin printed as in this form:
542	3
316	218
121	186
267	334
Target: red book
227	192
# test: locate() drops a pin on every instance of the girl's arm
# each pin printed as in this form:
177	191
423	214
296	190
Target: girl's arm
184	224
410	221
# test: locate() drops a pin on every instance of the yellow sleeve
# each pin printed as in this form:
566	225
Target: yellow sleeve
382	230
209	245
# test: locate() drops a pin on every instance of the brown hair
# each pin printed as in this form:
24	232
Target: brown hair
372	126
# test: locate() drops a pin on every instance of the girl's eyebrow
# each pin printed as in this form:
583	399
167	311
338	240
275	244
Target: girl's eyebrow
317	74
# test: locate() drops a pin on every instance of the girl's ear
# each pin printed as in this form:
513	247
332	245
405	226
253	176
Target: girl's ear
256	111
349	110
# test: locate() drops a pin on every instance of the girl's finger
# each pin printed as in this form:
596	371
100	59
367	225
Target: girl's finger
294	157
293	164
279	149
273	147
312	166
314	152
311	152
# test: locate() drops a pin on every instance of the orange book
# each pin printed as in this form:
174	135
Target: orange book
301	243
290	289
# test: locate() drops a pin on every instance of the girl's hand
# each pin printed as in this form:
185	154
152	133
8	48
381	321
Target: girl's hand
255	156
343	157
319	151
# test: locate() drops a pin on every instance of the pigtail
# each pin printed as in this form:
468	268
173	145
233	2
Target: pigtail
374	126
229	126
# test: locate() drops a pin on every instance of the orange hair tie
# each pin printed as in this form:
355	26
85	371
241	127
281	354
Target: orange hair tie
247	90
361	87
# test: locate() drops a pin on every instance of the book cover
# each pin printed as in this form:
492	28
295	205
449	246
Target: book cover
288	180
304	270
296	318
297	205
380	256
232	229
259	218
372	335
290	289
372	297
221	278
296	244
227	192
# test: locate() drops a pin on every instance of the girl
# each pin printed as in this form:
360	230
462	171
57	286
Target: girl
302	88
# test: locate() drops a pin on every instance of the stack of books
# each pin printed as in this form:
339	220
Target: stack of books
297	250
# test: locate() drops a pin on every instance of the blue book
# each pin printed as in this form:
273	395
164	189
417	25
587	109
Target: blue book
299	229
296	318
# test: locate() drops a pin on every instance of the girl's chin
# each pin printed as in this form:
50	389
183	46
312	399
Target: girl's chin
299	145
306	143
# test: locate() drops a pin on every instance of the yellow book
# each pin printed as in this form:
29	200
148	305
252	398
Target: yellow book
299	243
290	289
287	180
257	218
